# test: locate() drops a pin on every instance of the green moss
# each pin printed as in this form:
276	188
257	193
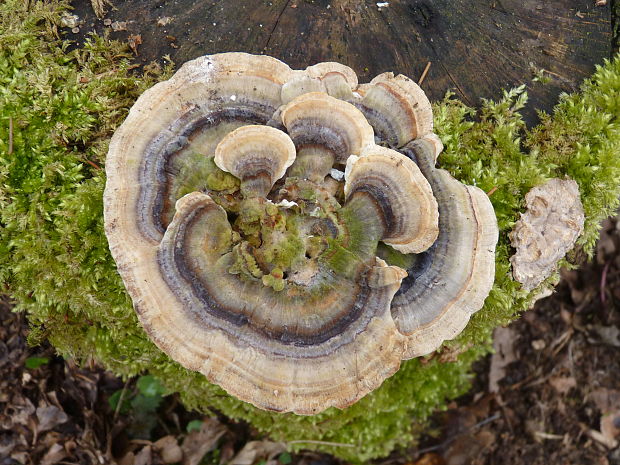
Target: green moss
55	263
217	180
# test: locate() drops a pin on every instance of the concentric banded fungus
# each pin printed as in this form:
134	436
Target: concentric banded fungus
257	155
325	131
402	194
269	283
449	282
397	109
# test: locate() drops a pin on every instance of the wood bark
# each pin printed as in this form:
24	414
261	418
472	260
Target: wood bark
476	47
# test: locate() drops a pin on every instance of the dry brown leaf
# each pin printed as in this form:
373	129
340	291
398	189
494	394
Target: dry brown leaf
430	459
23	411
467	447
20	457
198	443
128	459
49	417
609	335
169	450
563	384
227	451
4	354
503	345
144	457
8	442
54	455
610	427
605	399
254	451
134	40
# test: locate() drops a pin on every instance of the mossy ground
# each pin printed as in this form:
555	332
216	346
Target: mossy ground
58	109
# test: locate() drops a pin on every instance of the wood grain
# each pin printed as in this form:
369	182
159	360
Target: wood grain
477	47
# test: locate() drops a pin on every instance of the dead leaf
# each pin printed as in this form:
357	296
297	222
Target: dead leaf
128	459
119	26
8	441
198	443
609	335
169	450
605	399
503	345
610	427
144	457
164	21
21	457
134	40
430	459
54	455
49	417
23	410
227	451
563	384
4	353
253	451
468	447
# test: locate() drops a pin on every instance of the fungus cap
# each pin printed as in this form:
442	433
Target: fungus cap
403	195
449	282
256	154
247	262
397	108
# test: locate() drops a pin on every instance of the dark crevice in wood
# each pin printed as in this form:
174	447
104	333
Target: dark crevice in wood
276	24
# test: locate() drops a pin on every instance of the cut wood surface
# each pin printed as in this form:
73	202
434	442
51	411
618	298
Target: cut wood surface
476	47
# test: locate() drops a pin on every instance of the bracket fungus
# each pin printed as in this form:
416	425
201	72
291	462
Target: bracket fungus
246	261
546	231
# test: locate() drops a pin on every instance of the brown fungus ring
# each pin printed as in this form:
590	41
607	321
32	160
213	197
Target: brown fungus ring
246	258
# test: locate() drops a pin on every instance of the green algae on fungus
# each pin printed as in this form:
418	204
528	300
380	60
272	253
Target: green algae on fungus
56	265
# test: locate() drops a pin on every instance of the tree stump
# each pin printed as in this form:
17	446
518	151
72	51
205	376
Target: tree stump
476	47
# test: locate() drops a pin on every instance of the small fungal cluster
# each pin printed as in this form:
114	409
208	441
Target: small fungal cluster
249	256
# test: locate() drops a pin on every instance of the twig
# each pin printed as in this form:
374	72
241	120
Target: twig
10	135
604	282
93	164
424	73
321	443
544	435
492	191
120	401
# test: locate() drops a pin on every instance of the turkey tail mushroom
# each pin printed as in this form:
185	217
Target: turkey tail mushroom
402	195
245	262
257	155
397	108
450	281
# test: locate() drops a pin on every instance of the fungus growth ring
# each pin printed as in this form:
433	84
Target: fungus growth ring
249	259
